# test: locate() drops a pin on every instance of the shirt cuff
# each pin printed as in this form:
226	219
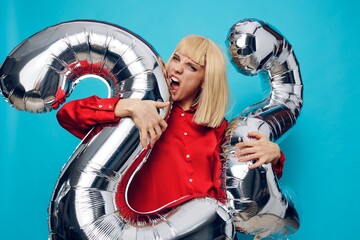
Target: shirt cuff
104	108
279	166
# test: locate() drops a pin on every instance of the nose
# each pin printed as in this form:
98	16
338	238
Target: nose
178	68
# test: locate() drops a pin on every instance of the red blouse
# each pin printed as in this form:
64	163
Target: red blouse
184	163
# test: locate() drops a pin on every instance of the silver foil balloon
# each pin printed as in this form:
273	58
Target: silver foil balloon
255	199
42	71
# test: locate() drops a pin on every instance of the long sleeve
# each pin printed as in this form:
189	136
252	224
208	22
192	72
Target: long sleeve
279	166
80	116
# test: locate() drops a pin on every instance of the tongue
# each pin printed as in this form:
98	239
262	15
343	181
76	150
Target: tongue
174	86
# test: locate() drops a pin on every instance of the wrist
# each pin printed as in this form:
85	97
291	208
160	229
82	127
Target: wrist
278	156
124	108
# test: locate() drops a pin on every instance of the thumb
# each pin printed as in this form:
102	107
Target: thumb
256	135
161	104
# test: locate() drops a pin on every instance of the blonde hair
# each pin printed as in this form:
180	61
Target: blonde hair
213	98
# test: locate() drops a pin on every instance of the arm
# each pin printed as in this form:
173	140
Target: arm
279	165
263	151
145	115
80	116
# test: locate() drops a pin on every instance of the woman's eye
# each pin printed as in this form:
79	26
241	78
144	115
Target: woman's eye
192	68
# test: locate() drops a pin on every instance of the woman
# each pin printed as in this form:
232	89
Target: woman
185	162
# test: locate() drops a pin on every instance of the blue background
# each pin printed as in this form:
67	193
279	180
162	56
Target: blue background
322	150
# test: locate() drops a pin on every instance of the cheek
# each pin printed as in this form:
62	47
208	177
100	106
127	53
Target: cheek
193	86
198	80
200	77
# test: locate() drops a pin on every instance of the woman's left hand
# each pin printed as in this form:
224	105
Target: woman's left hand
260	149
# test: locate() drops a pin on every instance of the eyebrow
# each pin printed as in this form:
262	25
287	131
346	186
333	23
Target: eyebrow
193	63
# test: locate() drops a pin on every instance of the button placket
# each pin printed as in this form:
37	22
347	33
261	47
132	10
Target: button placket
187	154
185	133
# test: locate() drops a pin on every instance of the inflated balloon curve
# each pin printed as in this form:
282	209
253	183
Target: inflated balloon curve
40	73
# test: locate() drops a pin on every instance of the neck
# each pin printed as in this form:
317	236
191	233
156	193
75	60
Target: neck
185	105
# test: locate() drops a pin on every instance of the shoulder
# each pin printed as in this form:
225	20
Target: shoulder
220	130
223	125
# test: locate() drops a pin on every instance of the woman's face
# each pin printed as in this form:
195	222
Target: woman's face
185	78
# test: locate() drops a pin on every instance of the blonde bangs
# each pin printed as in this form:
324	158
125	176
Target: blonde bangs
195	48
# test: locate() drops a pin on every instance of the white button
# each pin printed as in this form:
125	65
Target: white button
185	133
190	180
110	106
183	114
100	106
187	155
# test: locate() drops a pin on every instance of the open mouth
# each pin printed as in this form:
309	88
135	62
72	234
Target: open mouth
174	83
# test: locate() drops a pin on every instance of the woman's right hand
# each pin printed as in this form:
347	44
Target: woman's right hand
145	115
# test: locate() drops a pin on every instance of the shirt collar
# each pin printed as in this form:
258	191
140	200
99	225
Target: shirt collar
177	107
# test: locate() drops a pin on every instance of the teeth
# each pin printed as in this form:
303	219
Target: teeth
174	80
